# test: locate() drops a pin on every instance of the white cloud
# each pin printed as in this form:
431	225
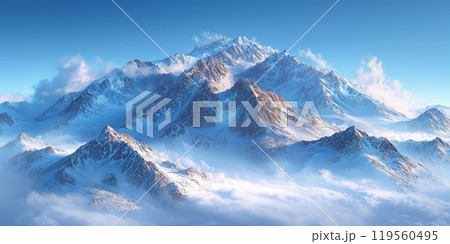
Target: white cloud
207	37
317	58
267	200
63	209
373	80
132	70
74	74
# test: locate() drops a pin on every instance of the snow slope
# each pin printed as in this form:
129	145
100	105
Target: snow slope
333	95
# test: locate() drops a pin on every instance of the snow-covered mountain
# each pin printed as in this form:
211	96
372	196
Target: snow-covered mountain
13	108
232	52
333	95
212	71
33	161
443	109
59	107
106	97
225	70
277	115
435	152
432	121
177	63
114	160
21	143
353	153
116	166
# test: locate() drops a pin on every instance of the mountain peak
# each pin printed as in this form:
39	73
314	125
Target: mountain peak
28	142
108	129
439	142
109	136
6	104
437	139
443	109
349	140
353	131
285	58
139	63
242	40
433	120
109	133
353	140
213	72
433	112
243	87
211	47
23	137
125	159
21	143
435	115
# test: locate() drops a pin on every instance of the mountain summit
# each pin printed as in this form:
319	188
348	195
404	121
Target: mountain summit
113	160
431	121
353	153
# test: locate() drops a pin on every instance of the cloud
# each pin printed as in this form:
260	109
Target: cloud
207	37
390	207
268	200
74	74
373	80
317	58
63	209
132	70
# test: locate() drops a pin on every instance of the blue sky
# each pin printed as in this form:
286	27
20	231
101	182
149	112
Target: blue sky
410	37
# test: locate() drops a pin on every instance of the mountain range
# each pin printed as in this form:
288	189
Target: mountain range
113	159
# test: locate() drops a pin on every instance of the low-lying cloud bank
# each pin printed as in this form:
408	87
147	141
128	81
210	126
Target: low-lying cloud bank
272	200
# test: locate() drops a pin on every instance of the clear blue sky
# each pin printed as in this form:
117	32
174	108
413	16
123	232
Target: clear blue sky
411	37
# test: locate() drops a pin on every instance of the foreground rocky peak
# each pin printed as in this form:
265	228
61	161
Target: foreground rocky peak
114	159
